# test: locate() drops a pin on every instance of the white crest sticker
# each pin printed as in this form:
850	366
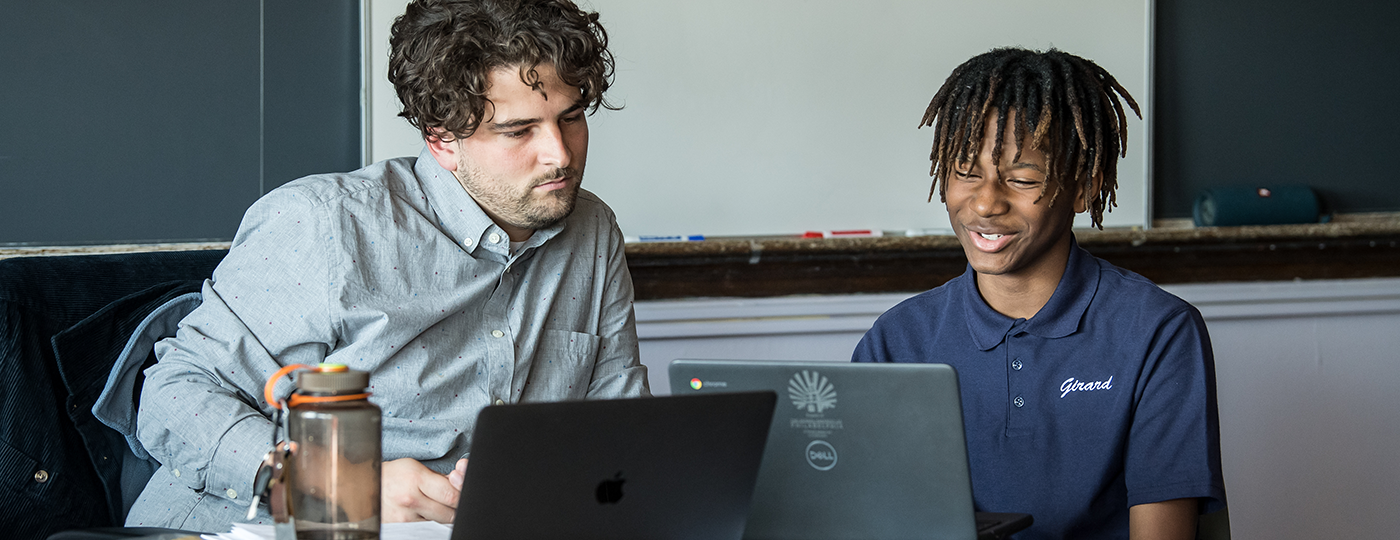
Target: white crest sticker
811	391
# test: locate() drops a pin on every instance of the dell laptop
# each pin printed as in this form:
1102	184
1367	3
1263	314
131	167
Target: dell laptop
656	468
856	450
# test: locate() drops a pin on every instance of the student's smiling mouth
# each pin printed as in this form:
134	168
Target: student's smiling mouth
988	241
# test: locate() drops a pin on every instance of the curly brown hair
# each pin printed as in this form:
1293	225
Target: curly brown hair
1067	105
443	51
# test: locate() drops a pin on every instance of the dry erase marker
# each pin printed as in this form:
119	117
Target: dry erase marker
673	238
859	233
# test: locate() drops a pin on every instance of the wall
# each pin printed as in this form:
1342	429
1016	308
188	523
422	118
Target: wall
1307	381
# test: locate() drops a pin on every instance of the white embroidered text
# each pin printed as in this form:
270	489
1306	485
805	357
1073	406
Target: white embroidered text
1075	385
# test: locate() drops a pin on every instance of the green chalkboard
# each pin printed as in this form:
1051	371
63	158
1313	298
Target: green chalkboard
1272	92
162	120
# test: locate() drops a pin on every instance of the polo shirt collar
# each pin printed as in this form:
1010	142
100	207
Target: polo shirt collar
460	216
1060	317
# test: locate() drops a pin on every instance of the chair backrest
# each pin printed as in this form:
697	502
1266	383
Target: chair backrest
60	468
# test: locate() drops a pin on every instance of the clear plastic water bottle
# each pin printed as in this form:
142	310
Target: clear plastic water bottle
333	477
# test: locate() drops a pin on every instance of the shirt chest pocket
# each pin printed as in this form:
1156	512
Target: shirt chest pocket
563	365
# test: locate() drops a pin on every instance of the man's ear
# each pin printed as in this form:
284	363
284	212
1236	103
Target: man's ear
1082	199
444	147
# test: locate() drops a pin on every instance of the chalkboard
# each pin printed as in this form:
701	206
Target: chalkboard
747	117
1261	92
163	120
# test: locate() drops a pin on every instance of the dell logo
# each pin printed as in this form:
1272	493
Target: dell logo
821	455
610	491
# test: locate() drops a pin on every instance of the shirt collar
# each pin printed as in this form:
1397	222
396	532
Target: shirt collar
1060	317
461	217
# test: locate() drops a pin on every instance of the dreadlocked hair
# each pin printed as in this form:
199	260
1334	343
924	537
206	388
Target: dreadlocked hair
1067	105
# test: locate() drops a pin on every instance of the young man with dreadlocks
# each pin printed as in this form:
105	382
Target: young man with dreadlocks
1088	392
477	273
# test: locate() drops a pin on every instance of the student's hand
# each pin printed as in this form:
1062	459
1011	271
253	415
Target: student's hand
410	491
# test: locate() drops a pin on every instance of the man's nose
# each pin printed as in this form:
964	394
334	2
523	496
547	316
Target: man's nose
551	149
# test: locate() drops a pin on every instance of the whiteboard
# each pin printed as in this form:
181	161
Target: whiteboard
774	117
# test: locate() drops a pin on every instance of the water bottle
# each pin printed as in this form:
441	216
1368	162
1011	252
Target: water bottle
332	490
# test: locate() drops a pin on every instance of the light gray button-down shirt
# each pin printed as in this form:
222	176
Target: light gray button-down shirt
395	270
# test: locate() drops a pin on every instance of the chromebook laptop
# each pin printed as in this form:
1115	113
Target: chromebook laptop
856	450
656	468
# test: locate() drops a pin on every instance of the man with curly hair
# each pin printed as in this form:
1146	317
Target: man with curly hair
477	273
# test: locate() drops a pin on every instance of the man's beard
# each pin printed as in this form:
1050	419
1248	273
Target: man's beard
524	209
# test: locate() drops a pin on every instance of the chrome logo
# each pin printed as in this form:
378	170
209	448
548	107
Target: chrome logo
696	384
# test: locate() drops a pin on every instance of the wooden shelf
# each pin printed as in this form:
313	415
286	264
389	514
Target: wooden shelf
759	267
781	266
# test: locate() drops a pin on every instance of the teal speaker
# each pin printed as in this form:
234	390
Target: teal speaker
1269	205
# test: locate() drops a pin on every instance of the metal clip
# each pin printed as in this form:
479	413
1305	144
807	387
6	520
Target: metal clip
270	482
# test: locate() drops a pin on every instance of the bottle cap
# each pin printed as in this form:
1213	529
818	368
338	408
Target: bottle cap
332	382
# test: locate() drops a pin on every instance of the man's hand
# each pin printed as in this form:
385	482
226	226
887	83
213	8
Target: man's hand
412	492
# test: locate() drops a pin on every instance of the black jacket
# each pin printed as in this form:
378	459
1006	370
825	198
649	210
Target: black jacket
63	322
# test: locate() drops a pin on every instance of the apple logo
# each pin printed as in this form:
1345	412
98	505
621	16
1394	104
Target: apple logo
610	491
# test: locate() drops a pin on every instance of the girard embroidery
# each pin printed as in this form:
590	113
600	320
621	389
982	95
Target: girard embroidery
1075	385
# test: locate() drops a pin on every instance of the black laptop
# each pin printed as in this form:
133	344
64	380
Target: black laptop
856	451
658	468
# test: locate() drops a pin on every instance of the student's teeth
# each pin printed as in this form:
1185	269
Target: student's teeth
990	236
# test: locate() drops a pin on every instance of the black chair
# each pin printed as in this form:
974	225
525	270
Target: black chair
63	322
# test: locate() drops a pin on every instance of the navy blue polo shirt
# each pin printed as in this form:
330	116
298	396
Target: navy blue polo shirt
1103	400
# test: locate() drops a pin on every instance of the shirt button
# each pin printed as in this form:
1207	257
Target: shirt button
231	493
497	333
500	401
1016	364
42	476
177	473
1018	402
467	242
495	238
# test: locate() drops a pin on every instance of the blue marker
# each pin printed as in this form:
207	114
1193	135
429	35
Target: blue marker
675	238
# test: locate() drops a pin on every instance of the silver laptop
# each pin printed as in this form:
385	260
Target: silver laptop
649	468
856	450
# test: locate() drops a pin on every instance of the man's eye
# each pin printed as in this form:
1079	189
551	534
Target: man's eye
572	119
516	134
